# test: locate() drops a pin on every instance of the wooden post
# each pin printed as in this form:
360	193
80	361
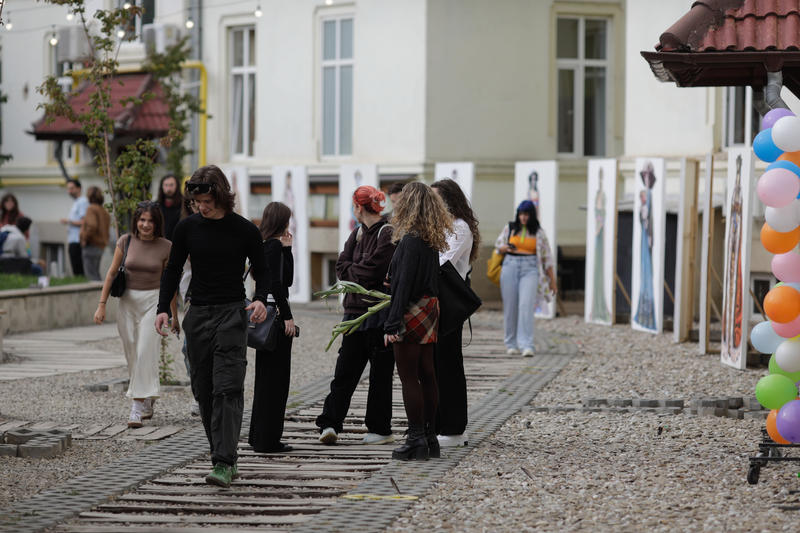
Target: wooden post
686	259
706	268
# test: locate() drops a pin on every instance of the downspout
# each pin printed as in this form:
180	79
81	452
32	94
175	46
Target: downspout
59	154
772	92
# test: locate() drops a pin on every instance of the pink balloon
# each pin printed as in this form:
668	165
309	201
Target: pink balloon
778	187
786	267
787	330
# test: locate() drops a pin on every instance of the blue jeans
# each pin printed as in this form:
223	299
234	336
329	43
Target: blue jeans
518	285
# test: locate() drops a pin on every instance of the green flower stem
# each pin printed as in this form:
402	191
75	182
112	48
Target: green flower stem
347	327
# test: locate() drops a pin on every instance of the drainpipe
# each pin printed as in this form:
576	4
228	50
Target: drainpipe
59	153
772	92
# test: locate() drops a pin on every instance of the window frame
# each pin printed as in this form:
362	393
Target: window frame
244	70
578	66
729	110
337	63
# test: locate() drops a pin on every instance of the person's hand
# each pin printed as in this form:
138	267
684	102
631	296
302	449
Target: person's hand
162	321
553	285
388	339
504	249
286	239
289	328
259	312
175	326
64	221
100	314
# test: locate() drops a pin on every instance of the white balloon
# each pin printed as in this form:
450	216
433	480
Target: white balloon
782	219
788	355
786	134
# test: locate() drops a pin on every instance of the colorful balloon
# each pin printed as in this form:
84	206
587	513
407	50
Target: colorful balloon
779	243
786	267
788	421
775	369
764	337
772	428
764	147
778	187
782	304
774	391
787	165
786	134
793	157
782	219
787	330
788	355
773	116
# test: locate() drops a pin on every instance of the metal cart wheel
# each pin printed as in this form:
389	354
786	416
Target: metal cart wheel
752	474
774	452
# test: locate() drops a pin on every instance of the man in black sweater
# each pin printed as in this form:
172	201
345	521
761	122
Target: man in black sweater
170	202
218	241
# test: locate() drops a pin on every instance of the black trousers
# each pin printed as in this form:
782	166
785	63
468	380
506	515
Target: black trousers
273	369
216	338
357	349
76	258
451	418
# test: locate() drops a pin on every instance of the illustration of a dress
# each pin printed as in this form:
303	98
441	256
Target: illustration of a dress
288	199
358	179
599	306
645	311
732	305
533	188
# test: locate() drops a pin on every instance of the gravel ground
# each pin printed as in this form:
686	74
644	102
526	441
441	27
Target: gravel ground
63	398
645	472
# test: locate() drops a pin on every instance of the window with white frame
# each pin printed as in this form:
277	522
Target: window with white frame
337	86
740	116
582	59
133	30
243	90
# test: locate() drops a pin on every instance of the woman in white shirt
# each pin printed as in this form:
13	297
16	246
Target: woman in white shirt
451	418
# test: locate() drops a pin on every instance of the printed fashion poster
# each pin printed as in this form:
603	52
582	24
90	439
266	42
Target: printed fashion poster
240	184
736	279
537	181
461	173
706	245
351	177
601	240
290	186
649	226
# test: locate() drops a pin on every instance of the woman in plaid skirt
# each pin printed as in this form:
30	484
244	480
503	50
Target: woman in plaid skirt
421	223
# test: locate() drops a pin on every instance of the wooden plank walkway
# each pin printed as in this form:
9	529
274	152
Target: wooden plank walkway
277	492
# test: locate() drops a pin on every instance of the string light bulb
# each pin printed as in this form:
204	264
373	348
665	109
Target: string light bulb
120	33
53	37
189	23
126	5
328	2
9	24
258	11
70	16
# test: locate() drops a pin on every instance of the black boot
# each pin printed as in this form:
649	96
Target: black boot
433	442
416	446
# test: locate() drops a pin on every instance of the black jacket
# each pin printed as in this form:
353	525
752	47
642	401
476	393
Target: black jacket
278	282
413	273
365	260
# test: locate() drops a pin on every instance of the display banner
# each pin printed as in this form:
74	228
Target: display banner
290	186
239	179
351	177
601	241
706	243
461	173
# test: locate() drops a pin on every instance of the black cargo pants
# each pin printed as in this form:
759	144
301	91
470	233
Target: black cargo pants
216	340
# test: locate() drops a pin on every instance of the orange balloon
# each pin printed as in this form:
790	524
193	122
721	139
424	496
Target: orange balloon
782	304
779	243
792	157
772	428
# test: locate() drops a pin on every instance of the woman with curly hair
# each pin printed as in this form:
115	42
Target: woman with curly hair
462	250
421	223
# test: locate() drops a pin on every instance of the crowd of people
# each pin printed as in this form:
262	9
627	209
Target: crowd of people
192	250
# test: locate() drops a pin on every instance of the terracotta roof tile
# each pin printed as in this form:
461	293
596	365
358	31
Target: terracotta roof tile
735	25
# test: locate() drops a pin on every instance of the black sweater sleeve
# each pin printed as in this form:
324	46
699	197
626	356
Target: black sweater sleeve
275	258
403	273
172	274
258	264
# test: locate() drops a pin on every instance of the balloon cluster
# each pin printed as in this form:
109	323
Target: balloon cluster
778	143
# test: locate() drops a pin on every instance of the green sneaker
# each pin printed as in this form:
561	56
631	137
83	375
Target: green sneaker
235	471
220	475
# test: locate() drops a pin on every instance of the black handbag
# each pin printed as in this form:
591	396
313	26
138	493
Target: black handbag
457	300
120	280
264	335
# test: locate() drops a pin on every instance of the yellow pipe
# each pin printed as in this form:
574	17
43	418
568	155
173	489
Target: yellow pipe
192	64
26	182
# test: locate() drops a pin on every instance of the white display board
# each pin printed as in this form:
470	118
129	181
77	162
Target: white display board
601	241
705	262
239	179
649	233
462	173
736	278
537	181
351	177
290	186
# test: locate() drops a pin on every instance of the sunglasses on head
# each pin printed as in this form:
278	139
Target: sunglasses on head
199	188
147	203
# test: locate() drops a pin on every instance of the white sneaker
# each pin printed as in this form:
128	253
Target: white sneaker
135	419
512	351
195	408
328	436
147	408
377	438
527	352
449	441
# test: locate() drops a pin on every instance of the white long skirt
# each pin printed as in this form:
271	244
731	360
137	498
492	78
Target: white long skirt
136	318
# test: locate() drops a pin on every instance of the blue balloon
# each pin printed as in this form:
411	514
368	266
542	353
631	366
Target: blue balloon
788	165
765	148
764	338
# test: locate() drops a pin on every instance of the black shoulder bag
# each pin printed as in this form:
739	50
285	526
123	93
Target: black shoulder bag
120	280
264	335
457	300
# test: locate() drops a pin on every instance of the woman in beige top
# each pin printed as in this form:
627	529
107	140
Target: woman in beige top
94	233
147	256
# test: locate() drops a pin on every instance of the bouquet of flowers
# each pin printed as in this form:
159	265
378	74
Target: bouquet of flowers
346	327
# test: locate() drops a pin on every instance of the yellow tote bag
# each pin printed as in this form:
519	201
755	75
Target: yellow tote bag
494	266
